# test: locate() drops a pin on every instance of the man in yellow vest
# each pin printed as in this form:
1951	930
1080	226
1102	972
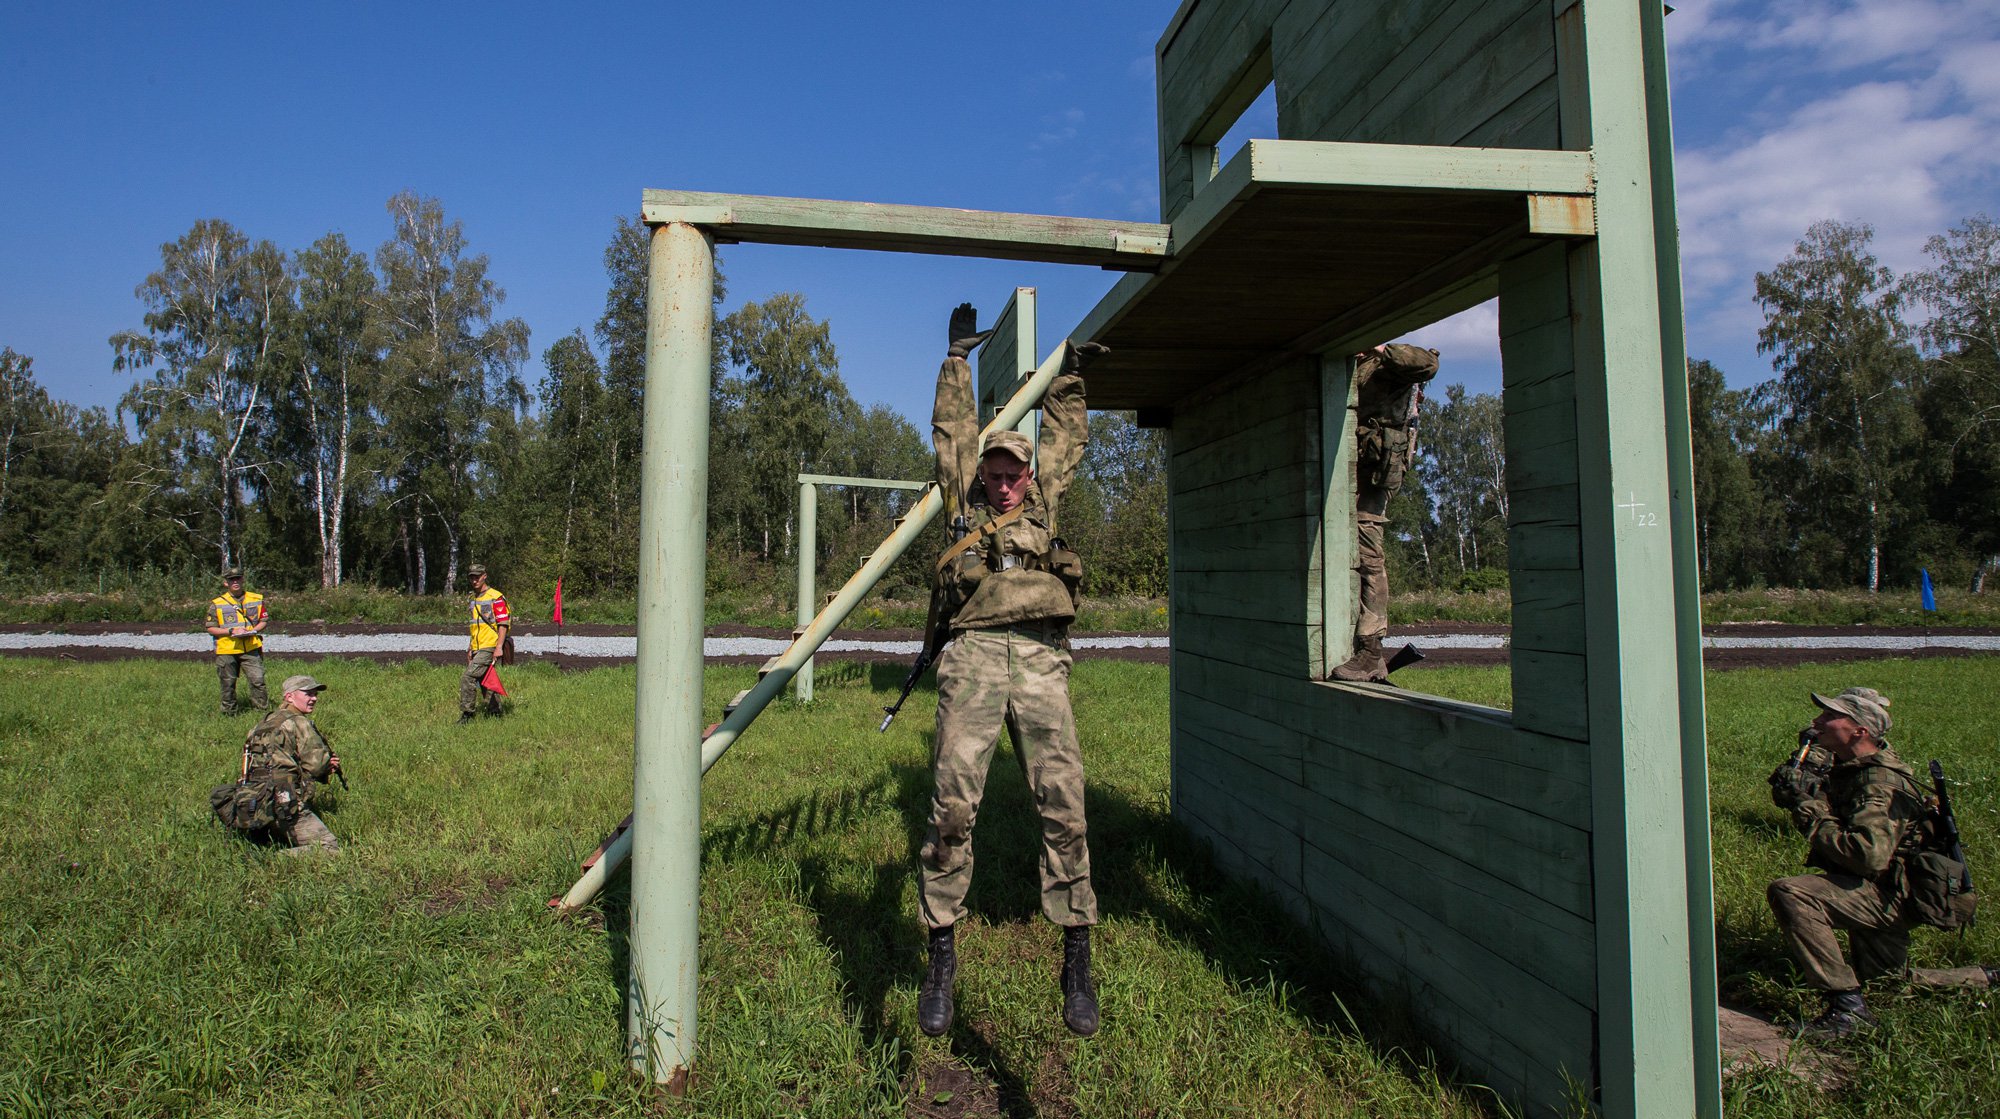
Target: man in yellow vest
236	620
490	623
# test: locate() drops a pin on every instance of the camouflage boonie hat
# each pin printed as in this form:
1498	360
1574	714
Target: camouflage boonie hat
476	569
1012	442
1865	706
232	573
300	684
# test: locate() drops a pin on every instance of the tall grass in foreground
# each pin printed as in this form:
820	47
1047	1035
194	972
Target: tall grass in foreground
151	964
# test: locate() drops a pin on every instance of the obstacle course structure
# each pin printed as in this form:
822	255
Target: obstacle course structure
1532	883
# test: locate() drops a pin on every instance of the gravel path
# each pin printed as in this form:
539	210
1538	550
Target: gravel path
1727	646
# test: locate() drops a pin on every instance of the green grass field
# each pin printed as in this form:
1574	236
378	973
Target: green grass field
151	964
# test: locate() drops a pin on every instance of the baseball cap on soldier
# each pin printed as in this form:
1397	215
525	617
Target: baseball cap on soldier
1865	706
1012	442
300	684
476	569
232	573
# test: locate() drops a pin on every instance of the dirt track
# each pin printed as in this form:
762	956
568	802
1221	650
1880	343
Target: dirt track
85	647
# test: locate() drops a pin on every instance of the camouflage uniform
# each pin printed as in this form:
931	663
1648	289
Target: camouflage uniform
1008	661
1857	834
290	748
1390	389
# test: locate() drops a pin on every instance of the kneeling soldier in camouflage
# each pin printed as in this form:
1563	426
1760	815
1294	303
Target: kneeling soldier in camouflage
1009	585
288	750
1861	810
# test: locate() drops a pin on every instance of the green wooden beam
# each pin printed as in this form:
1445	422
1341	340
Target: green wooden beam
873	483
1127	245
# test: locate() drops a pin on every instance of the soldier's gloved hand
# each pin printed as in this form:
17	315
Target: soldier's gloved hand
964	335
1791	786
1080	356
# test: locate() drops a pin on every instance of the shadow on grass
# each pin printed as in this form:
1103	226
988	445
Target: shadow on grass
878	942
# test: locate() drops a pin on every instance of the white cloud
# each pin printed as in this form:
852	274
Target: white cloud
1058	128
1471	335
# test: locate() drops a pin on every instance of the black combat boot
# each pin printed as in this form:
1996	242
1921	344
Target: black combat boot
1079	993
1081	356
964	335
934	997
1366	665
464	717
1846	1013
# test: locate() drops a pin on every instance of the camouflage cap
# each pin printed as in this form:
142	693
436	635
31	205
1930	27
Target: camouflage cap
232	573
300	684
1012	442
476	569
1865	706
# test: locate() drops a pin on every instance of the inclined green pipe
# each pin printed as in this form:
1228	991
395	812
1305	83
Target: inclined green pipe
665	836
907	531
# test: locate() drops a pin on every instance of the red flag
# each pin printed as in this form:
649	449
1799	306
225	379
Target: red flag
558	600
491	681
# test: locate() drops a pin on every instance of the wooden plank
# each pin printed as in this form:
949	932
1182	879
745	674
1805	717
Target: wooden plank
1286	544
1338	64
1540	464
1477	990
1549	505
1550	696
1277	749
1469	747
1537	288
1535	355
1415	167
1279	648
1550	943
926	229
1531	852
1281	392
1541	546
1243	802
1492	60
1213	817
1548	611
1213	52
1291	490
1532	121
1262	596
1273	444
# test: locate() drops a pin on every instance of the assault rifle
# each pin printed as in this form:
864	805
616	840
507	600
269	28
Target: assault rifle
937	633
1947	826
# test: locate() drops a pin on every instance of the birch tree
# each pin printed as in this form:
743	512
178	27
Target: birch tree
327	411
1842	396
451	379
213	318
1961	394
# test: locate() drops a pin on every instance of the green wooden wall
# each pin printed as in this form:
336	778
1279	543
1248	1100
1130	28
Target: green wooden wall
1444	848
1448	72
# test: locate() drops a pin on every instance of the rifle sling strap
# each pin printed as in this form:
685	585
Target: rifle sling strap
966	542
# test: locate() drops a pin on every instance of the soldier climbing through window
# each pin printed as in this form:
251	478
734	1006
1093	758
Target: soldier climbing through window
1391	381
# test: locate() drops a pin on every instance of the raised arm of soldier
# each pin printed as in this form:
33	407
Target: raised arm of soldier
955	413
1065	428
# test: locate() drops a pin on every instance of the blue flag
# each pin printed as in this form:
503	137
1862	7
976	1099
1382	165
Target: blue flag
1930	596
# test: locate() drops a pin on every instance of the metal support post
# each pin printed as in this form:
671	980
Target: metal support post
666	770
808	557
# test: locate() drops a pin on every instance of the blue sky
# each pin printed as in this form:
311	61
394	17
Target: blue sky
536	124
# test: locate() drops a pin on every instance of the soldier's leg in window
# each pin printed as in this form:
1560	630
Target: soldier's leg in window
225	671
253	674
1039	708
469	687
972	705
1810	907
310	833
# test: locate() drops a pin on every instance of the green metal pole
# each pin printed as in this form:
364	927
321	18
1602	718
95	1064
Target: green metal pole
808	553
666	770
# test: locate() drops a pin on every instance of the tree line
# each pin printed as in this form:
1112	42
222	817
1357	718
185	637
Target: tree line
324	416
1871	455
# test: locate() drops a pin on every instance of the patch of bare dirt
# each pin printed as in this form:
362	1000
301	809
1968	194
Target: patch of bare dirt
1751	1041
940	1090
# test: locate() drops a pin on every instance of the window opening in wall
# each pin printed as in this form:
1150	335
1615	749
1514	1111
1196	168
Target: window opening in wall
1418	496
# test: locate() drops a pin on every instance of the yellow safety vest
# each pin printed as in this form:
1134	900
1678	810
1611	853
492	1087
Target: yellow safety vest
489	613
225	612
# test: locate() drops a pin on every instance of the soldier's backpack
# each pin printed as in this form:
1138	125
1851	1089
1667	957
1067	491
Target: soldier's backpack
258	802
1937	885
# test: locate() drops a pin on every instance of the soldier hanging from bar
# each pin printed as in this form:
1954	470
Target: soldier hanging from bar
1391	379
1009	587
